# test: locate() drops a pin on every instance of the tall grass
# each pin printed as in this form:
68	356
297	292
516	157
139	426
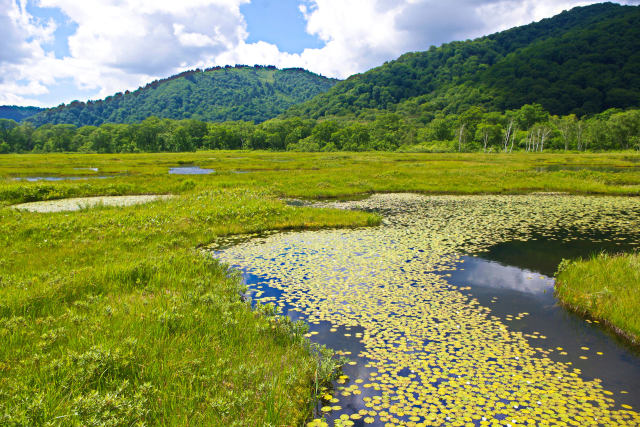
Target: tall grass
605	287
111	316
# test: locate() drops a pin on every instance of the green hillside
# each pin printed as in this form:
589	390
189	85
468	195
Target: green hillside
582	61
18	114
217	94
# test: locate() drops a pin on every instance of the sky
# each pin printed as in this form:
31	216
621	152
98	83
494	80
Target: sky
57	51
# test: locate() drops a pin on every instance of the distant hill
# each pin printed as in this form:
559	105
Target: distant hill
581	61
18	114
216	94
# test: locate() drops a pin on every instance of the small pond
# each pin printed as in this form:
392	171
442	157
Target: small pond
447	310
190	170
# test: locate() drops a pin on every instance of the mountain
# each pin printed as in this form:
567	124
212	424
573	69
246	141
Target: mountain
18	114
581	61
216	94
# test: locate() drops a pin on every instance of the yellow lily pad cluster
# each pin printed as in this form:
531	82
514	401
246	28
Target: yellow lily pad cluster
433	355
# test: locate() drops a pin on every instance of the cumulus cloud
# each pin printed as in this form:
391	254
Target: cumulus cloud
121	44
117	45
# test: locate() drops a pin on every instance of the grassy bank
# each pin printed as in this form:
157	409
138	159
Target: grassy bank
112	316
605	287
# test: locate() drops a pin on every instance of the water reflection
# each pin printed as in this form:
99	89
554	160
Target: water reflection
190	170
510	291
492	274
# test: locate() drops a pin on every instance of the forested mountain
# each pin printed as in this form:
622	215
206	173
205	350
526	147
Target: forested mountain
582	61
216	94
18	114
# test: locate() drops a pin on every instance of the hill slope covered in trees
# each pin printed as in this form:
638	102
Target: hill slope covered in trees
17	114
582	61
217	94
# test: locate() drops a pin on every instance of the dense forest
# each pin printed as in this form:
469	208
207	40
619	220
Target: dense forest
18	114
216	94
582	61
529	128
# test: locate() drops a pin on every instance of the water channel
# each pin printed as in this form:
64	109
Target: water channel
447	311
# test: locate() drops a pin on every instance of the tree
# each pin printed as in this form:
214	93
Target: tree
530	114
538	136
624	126
509	135
101	141
566	125
488	134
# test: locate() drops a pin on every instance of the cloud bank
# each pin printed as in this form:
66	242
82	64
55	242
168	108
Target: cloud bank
122	44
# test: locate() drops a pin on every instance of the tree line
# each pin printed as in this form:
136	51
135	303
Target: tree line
529	128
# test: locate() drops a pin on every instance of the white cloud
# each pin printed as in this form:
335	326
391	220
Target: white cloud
122	44
117	45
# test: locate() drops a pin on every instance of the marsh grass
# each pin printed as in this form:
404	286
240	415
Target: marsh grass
112	316
314	175
605	287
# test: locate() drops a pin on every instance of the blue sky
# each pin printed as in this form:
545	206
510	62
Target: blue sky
279	22
55	51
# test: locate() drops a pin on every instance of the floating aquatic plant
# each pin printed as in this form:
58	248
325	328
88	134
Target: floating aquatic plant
433	354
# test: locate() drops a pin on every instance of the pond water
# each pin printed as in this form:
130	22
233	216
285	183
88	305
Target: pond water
190	170
447	310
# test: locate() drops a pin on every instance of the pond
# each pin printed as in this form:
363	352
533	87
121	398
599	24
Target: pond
447	310
190	170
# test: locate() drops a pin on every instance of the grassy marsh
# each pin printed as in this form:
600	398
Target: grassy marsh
318	175
604	287
111	315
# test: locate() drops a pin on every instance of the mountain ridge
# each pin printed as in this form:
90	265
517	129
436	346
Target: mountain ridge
215	94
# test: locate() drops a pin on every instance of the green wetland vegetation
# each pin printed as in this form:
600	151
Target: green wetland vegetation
604	287
117	315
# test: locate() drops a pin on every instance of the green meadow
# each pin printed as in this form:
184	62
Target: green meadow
115	316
